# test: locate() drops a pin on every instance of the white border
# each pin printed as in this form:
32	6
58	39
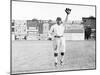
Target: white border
5	37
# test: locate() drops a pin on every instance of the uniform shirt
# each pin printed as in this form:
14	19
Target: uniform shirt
57	30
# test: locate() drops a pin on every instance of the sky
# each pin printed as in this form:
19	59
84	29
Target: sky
44	11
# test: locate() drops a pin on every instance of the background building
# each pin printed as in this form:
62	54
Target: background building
89	21
38	29
20	29
32	29
74	32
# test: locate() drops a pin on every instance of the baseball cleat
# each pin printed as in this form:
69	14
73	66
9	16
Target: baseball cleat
61	63
55	64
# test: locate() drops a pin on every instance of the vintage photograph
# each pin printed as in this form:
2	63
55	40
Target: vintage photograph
52	37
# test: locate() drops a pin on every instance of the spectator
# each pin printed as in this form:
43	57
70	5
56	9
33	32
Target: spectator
87	32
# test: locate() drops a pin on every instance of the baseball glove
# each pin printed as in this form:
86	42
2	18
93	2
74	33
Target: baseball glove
67	10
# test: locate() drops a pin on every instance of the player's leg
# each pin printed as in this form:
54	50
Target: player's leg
56	58
62	58
56	47
62	52
55	51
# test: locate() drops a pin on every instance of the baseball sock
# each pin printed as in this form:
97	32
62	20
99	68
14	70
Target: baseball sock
62	56
56	55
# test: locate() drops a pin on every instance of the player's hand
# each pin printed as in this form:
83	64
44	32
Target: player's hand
49	38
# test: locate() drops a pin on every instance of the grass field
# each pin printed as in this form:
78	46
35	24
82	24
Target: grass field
37	56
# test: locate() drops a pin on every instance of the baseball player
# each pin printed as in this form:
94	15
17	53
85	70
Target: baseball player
57	31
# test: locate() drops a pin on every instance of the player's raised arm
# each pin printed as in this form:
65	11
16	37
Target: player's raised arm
67	10
66	18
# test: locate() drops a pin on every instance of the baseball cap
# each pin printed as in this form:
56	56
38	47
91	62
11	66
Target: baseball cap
58	19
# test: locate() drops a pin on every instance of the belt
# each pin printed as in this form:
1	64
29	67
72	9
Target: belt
58	36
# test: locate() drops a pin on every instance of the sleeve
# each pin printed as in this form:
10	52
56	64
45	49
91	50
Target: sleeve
64	23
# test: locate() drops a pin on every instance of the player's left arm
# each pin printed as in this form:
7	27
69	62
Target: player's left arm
65	21
50	33
67	10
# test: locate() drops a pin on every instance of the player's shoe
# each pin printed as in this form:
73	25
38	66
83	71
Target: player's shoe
61	63
55	64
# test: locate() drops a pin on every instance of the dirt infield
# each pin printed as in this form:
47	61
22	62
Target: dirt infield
37	56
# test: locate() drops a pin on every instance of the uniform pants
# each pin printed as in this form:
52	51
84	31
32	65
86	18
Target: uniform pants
59	45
